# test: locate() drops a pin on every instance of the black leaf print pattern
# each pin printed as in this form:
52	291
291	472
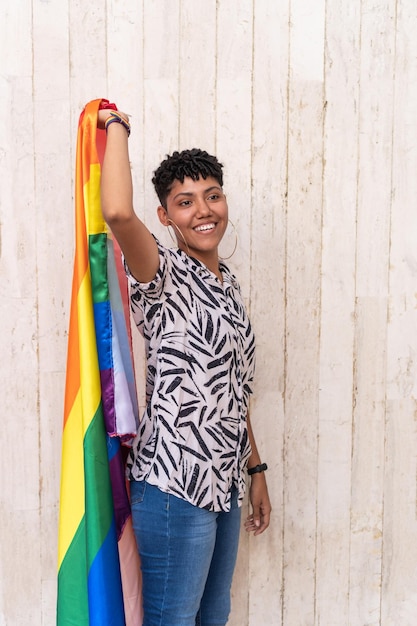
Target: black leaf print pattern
200	356
174	384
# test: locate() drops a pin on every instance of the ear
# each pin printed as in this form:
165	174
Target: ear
163	215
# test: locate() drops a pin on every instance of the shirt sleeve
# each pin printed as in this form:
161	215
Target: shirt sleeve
154	288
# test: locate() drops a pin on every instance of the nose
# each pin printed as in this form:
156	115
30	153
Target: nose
203	207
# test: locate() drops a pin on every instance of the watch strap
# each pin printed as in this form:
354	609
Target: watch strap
257	469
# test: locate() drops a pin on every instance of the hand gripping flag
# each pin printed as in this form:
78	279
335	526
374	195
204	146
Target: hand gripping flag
98	576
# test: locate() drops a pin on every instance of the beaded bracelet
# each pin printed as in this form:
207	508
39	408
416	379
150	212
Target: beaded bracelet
116	117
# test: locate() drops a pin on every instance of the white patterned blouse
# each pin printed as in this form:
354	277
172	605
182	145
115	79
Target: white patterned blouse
200	350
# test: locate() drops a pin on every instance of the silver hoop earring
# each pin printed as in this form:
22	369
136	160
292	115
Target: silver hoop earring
225	258
177	228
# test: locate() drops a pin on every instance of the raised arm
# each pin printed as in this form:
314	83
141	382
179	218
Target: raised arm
135	240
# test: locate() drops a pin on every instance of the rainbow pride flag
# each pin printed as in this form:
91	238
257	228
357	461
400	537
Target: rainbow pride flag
98	565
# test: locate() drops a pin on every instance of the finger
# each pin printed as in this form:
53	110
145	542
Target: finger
264	524
249	524
256	516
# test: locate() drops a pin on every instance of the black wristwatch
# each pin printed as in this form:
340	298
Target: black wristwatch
258	468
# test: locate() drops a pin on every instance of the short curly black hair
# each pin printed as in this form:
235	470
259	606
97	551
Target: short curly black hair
188	163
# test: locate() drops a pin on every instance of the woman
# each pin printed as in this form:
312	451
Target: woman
188	462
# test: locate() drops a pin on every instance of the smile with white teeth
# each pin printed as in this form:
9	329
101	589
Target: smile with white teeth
204	227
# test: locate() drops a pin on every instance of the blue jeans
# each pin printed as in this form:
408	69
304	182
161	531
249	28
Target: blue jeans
187	555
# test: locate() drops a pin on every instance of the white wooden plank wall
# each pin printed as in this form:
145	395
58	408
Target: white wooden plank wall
312	109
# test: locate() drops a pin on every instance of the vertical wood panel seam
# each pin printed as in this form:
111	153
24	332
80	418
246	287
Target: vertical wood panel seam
106	46
143	123
320	302
251	241
35	342
179	76
216	73
252	125
394	65
71	98
355	339
285	329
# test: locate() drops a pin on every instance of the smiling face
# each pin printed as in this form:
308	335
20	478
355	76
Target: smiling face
199	210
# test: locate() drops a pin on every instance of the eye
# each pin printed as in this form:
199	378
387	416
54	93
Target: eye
214	196
185	203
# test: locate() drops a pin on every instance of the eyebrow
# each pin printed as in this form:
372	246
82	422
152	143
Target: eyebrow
188	194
